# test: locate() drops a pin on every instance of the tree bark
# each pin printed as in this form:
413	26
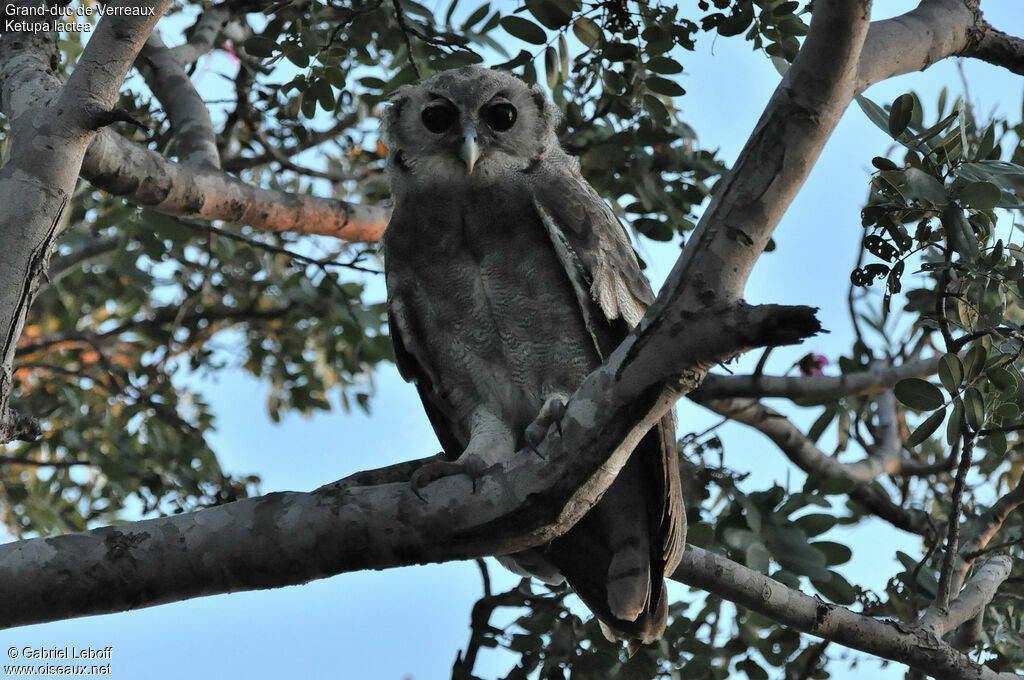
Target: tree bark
50	133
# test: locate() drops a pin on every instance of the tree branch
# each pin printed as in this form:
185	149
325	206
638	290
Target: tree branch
289	538
934	30
51	128
204	35
188	115
874	380
145	177
887	639
998	48
972	600
812	460
983	529
62	265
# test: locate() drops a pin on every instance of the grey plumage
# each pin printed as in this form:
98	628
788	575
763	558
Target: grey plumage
509	280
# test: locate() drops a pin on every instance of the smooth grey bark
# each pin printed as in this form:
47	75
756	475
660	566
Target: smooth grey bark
50	132
190	120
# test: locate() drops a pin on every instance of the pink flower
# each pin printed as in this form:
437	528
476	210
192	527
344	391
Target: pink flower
230	49
812	364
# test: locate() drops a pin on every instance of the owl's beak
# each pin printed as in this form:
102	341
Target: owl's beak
470	150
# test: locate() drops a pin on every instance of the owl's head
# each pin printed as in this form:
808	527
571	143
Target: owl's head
471	123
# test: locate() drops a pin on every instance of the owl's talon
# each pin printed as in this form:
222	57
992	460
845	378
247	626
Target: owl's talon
470	465
535	451
551	412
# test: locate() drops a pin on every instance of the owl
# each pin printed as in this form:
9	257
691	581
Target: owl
509	280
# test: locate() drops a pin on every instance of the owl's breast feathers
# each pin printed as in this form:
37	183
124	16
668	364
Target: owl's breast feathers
503	293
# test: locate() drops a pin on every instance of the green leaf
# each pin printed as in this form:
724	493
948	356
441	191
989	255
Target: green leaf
974	408
951	372
836	588
415	8
974	362
1003	379
751	669
925	429
324	94
822	422
259	46
816	524
617	51
757	557
1007	176
924	187
958	231
525	30
835	553
615	83
883	163
551	66
664	86
981	195
451	12
477	16
656	108
918	394
664	65
588	32
563	55
954	426
548	13
875	113
996	443
899	114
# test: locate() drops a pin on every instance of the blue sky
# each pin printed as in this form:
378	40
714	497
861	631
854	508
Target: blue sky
409	623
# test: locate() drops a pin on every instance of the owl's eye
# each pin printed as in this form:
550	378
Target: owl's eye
439	118
500	117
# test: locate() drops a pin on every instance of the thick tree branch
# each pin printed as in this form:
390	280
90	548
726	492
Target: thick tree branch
1000	49
145	177
934	30
888	639
188	115
290	538
204	35
773	165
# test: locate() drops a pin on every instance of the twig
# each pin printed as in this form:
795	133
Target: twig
953	525
15	460
270	247
400	17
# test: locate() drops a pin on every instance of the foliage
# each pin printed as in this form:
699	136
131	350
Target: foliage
138	302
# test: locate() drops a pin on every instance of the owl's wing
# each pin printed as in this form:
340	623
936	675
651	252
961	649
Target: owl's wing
412	358
595	251
592	244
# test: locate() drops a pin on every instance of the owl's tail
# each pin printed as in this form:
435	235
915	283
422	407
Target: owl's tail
617	556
